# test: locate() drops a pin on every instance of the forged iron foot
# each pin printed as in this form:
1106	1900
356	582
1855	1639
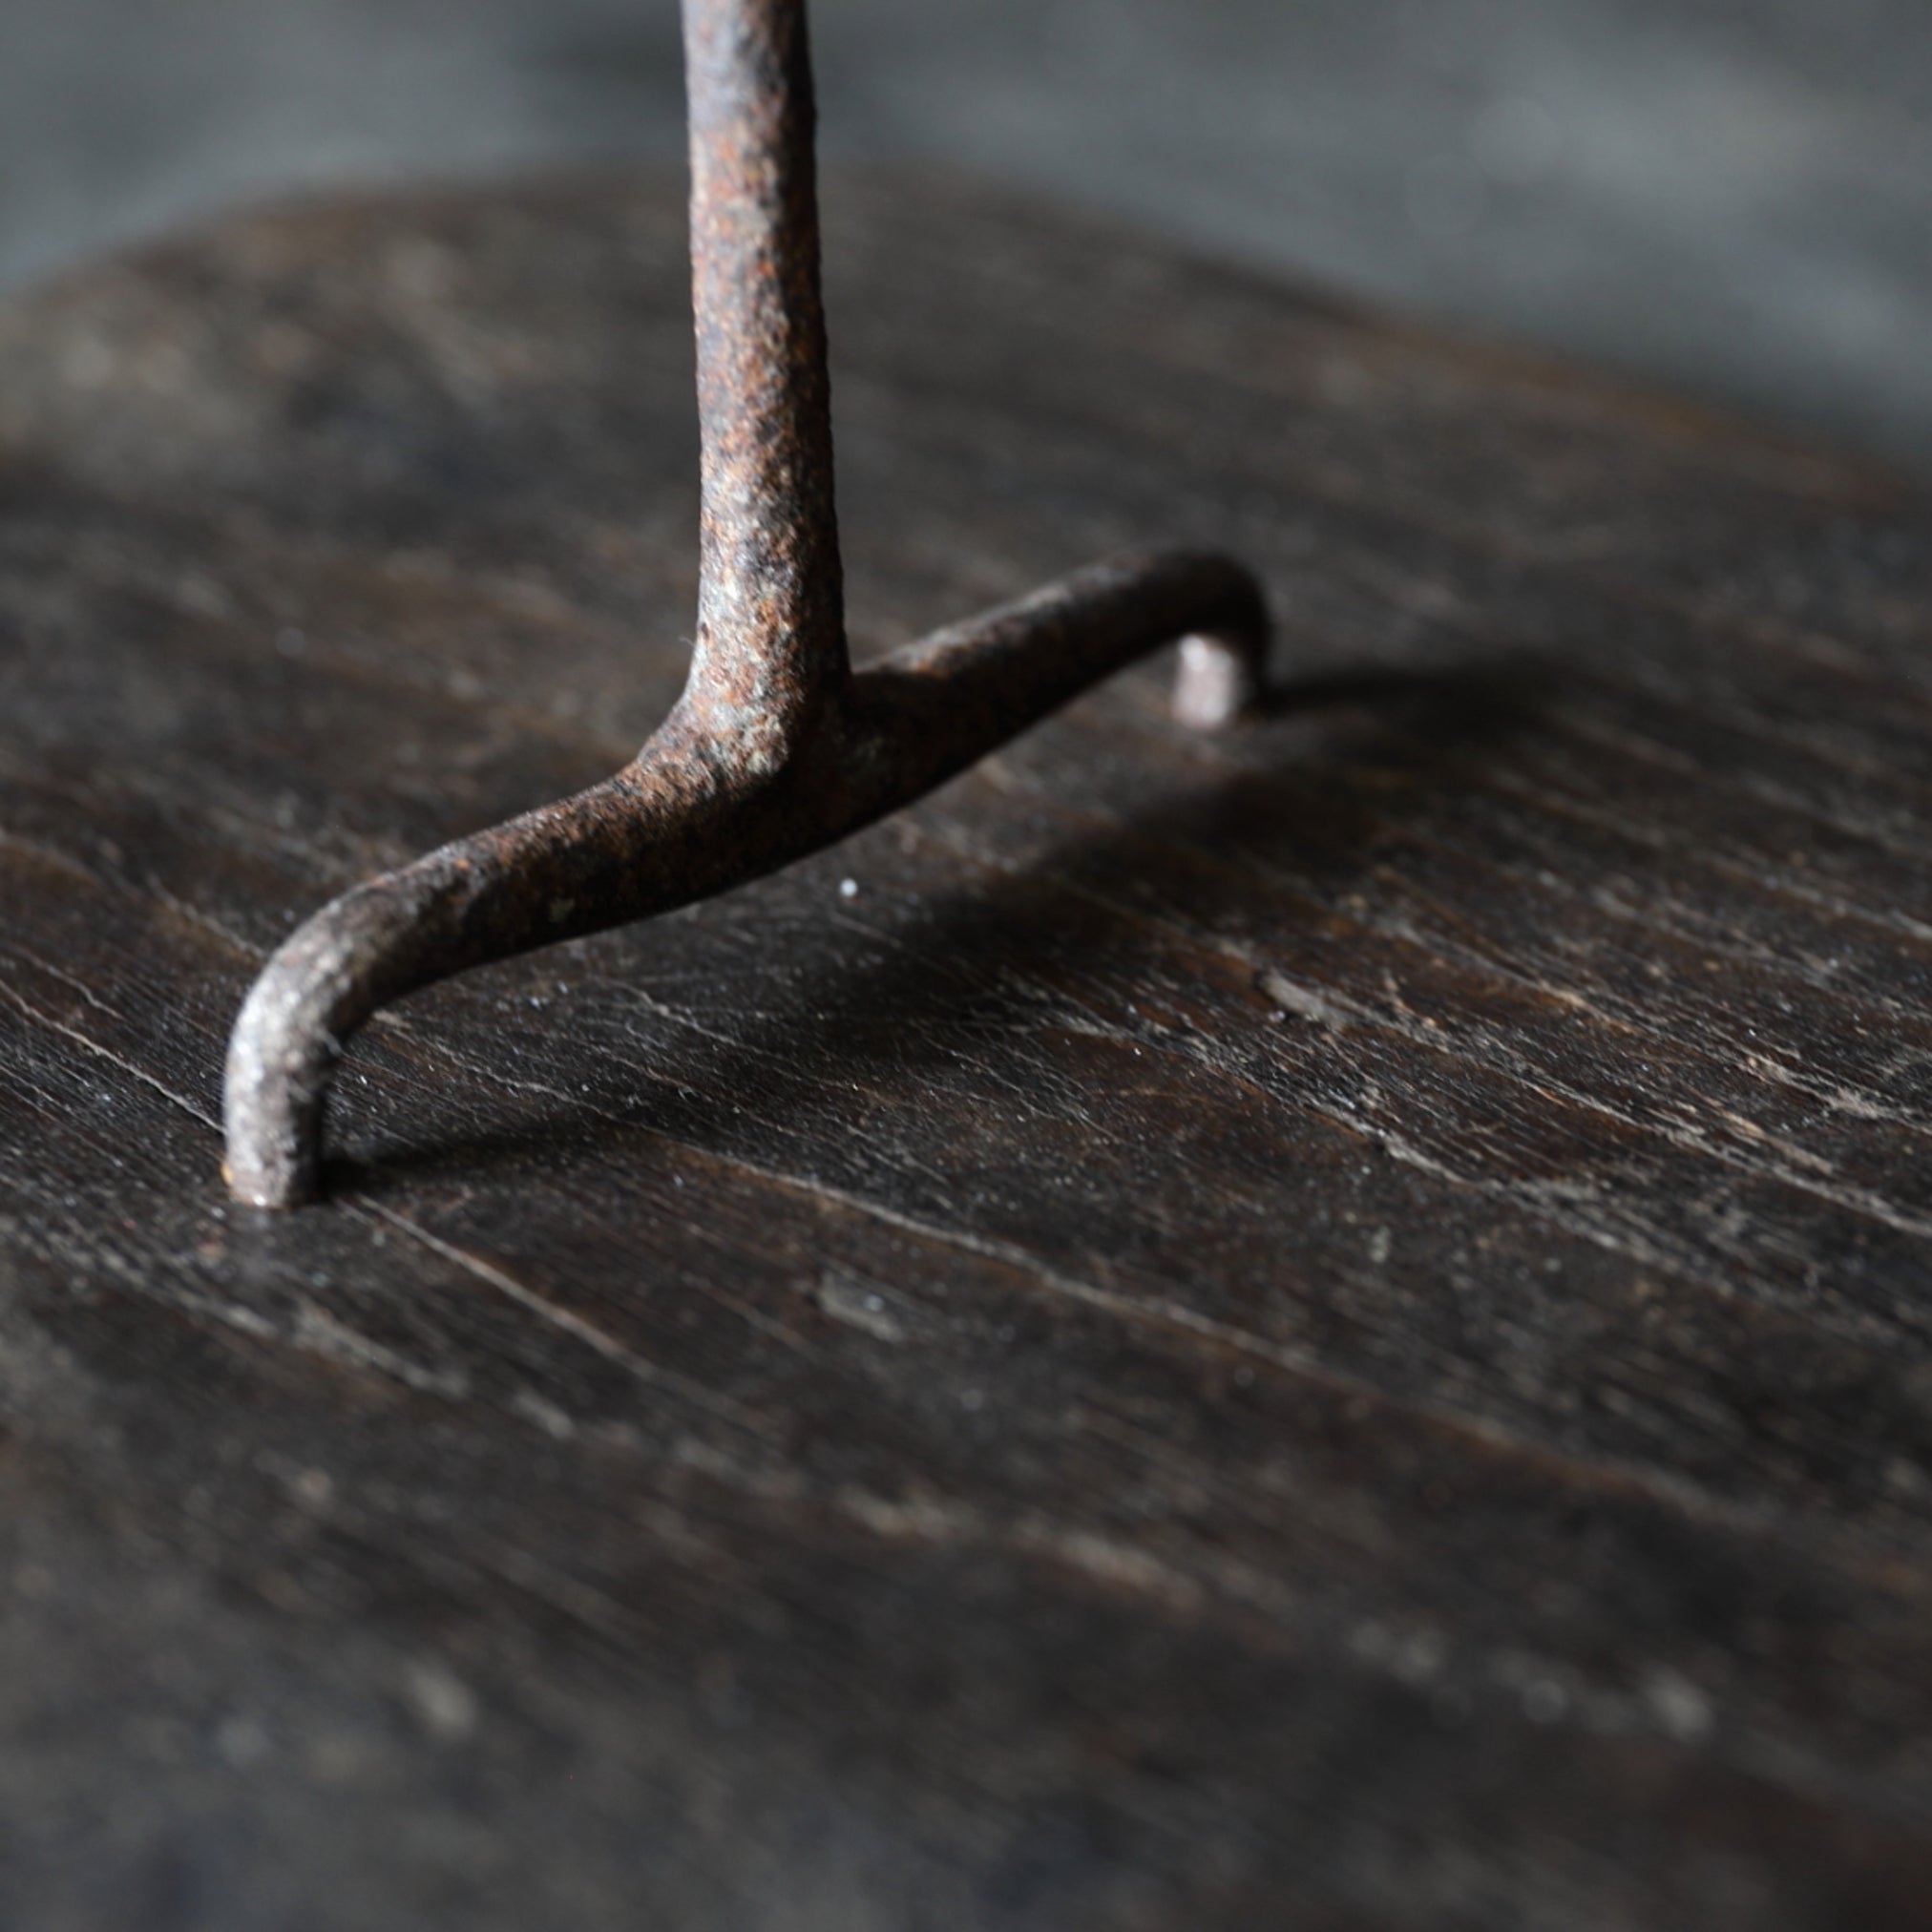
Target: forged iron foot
776	748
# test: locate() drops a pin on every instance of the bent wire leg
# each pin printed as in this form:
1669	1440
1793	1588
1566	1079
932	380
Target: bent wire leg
672	827
775	748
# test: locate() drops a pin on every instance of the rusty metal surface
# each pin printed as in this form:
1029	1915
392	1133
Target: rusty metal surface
775	749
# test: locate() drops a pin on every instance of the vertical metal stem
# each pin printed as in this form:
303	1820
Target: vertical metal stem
771	644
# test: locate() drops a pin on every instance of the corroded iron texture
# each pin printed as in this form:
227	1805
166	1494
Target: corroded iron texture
775	749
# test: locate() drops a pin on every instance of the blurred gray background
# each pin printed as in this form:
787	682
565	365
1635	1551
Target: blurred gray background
1732	195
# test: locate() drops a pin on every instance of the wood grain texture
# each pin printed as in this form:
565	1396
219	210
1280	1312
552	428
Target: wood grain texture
1328	1327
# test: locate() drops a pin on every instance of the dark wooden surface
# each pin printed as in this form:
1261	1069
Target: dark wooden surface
1326	1328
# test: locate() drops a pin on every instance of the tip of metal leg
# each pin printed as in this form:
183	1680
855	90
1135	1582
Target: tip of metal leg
271	1159
1217	682
285	1042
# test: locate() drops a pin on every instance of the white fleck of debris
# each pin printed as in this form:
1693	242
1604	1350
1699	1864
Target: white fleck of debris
867	1312
554	1422
1380	1244
677	1180
1302	1002
848	888
1677	1704
444	1705
314	1487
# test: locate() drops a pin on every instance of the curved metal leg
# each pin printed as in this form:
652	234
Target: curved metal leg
775	749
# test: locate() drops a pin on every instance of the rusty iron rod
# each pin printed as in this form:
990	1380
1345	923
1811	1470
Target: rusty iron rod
776	747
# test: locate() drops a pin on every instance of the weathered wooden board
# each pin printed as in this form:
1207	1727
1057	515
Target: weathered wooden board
1330	1327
